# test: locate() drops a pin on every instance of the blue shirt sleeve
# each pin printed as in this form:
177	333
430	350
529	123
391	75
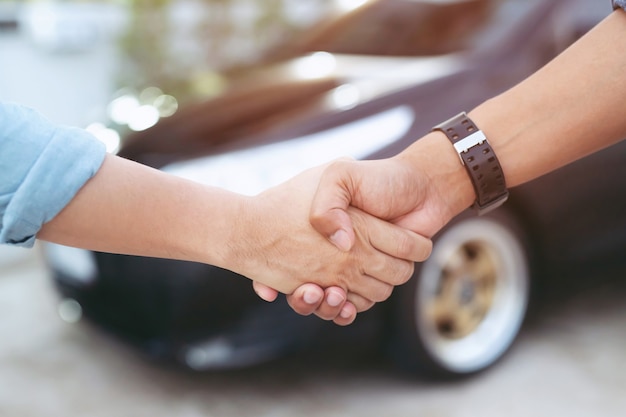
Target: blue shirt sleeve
42	167
619	4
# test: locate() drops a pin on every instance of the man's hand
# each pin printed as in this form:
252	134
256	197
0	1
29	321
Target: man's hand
390	189
294	253
420	189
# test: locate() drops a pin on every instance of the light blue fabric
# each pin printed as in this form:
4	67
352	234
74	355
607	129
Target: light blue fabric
42	167
619	3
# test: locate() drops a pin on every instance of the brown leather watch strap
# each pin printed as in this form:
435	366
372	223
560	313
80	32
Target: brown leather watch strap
479	160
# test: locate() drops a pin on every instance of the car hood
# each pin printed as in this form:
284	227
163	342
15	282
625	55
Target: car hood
252	170
382	74
281	95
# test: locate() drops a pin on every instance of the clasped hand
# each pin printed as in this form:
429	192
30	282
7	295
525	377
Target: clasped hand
356	257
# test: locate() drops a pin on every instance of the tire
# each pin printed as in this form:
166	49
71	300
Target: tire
465	305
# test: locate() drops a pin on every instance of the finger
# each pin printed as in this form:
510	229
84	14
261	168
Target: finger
360	303
401	243
389	270
370	288
392	239
332	305
266	293
382	267
347	315
306	299
328	213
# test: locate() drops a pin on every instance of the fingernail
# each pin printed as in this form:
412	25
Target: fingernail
311	297
334	299
345	313
341	240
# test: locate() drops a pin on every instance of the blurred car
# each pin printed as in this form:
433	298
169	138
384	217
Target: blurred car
465	305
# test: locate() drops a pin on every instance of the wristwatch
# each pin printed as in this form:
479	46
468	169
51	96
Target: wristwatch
479	160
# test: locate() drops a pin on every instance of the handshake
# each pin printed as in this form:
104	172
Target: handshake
337	239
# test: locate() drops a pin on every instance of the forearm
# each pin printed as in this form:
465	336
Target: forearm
568	109
563	112
133	209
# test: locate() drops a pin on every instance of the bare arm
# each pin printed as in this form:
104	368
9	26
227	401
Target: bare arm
133	209
565	111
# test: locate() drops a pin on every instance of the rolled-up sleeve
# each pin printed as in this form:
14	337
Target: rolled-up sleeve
42	167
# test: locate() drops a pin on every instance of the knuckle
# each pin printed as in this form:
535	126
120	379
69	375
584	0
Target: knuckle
360	303
400	272
339	321
324	316
383	293
317	214
404	276
334	168
414	247
407	246
426	250
299	306
365	305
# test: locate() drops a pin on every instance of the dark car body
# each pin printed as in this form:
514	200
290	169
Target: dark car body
208	318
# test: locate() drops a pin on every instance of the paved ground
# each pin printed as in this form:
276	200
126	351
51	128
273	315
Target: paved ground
569	362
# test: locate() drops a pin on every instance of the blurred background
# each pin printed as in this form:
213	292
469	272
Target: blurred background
119	67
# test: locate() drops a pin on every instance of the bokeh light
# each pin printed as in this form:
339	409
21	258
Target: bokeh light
347	5
345	96
109	137
166	105
143	117
70	310
143	110
121	109
316	65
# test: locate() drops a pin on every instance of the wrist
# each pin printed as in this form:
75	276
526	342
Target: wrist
251	247
448	184
226	244
242	253
479	160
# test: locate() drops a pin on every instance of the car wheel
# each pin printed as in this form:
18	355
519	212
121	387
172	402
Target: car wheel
465	305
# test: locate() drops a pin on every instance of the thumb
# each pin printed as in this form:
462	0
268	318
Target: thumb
264	292
337	226
329	207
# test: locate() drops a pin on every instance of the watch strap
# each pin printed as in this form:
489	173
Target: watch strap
479	160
